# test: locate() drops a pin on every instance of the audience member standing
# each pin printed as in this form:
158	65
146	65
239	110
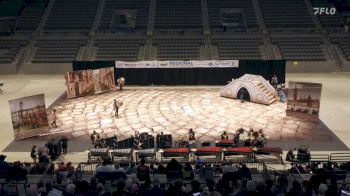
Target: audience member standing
143	171
34	154
64	144
58	148
50	147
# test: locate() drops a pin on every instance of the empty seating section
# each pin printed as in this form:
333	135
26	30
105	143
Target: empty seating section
239	47
142	7
179	14
327	20
300	47
57	50
118	49
31	17
72	15
214	7
178	49
9	49
286	14
343	42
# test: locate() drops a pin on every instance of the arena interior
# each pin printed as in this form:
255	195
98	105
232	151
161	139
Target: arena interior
143	143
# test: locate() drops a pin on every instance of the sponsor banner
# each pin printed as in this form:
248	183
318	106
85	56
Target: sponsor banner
136	64
177	64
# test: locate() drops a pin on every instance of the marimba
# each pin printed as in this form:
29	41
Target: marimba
98	154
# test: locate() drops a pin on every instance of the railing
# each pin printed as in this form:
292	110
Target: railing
319	158
85	169
339	157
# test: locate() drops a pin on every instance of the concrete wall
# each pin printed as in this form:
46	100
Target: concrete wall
346	66
47	68
7	68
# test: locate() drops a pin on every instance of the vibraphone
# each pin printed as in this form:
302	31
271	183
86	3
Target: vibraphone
98	154
122	155
263	154
148	154
209	154
224	143
238	154
180	154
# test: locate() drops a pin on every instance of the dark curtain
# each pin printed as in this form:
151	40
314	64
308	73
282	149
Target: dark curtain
190	76
177	76
265	68
83	65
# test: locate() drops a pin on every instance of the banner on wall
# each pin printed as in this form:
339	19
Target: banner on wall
303	99
177	64
29	116
89	82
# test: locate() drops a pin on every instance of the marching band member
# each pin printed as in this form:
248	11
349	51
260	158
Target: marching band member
94	139
121	82
115	107
191	138
137	141
54	117
224	136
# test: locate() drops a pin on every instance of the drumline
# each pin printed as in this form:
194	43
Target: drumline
240	138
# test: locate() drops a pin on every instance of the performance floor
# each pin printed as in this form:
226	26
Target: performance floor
174	110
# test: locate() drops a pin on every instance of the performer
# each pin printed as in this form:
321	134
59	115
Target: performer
236	138
274	81
94	139
116	108
137	141
249	140
191	138
224	136
114	141
1	84
54	118
281	93
121	82
260	139
290	155
254	141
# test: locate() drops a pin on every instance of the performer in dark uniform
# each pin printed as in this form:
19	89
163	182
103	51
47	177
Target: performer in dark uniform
191	138
114	141
54	117
137	141
1	84
121	82
236	138
224	136
115	107
274	81
94	139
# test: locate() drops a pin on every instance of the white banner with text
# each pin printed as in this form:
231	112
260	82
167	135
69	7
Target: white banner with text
177	64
